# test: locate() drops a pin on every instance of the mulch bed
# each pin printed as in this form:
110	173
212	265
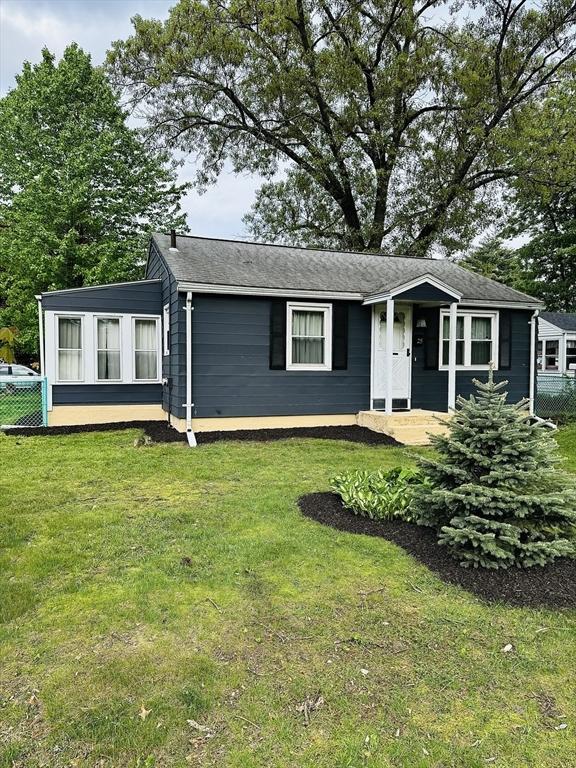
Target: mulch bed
162	432
550	586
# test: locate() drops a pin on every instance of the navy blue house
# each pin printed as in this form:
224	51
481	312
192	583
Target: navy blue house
231	335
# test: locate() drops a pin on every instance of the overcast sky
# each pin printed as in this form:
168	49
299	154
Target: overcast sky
26	26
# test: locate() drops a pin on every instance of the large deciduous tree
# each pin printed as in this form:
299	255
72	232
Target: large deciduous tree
79	190
544	196
388	120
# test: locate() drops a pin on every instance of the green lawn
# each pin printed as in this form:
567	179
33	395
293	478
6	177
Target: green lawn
143	588
21	405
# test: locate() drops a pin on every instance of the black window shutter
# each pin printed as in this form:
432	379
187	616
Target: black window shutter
432	342
278	335
505	340
339	336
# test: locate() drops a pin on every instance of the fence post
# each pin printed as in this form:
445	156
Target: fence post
44	402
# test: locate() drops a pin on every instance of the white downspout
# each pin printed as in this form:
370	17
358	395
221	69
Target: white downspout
191	437
452	357
532	391
41	335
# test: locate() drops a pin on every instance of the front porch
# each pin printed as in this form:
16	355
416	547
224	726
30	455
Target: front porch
401	336
409	427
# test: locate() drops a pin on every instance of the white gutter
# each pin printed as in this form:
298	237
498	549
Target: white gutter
41	334
247	290
191	437
244	290
104	285
536	305
532	391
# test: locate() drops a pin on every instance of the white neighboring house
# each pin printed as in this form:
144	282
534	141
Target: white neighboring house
556	344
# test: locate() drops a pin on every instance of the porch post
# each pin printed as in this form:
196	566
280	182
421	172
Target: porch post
452	357
389	352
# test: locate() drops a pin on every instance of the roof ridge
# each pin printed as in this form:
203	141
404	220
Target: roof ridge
299	247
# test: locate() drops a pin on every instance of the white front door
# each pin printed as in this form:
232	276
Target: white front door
401	353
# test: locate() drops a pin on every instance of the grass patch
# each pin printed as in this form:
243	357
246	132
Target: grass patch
144	591
20	404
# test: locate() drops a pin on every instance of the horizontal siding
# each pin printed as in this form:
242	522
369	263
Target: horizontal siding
137	298
174	364
231	371
424	292
546	329
105	394
430	387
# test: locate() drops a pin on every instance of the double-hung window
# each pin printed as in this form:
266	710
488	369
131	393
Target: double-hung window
570	354
70	354
476	339
108	349
309	337
551	354
145	349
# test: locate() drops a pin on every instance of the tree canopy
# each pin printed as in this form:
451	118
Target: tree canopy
541	204
391	122
544	198
79	190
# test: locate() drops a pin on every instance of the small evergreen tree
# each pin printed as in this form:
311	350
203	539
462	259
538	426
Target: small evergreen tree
497	497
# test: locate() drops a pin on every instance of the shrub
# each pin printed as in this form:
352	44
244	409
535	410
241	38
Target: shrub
495	494
380	495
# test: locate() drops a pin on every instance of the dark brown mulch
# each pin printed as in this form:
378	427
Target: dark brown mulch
550	586
159	431
352	434
162	432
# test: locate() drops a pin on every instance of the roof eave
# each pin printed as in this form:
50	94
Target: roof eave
255	290
503	304
384	294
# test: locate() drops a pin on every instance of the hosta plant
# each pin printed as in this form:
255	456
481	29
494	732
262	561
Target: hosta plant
379	495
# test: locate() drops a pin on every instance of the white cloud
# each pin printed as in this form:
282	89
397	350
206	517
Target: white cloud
218	212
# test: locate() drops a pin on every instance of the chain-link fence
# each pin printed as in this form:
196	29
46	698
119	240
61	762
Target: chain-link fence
23	402
555	397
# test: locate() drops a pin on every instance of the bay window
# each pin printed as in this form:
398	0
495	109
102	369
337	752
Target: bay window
145	349
476	339
309	342
108	348
70	355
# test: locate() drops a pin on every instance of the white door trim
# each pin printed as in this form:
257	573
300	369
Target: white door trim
376	309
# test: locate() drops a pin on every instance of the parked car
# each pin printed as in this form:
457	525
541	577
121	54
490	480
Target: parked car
14	377
13	369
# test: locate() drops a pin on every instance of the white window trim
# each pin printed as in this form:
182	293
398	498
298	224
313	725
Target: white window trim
565	368
89	348
107	316
560	356
468	314
158	348
166	330
70	316
326	309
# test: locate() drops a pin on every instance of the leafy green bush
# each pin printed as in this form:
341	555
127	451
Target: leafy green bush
378	495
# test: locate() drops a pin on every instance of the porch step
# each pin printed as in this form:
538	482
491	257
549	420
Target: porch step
411	428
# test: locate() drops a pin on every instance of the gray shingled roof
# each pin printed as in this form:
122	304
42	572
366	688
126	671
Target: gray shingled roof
257	265
563	320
